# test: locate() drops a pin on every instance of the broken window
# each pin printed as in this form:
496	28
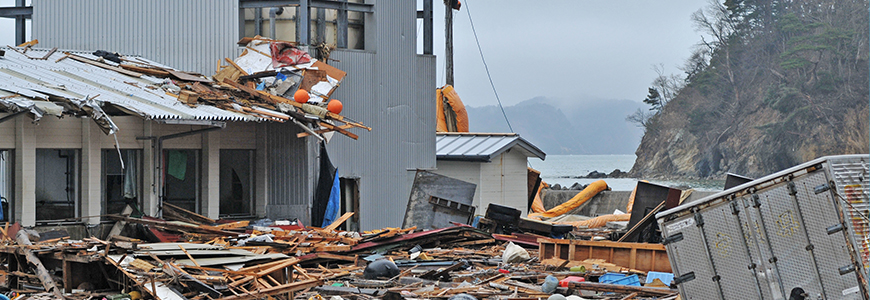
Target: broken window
121	185
57	184
236	182
336	27
6	184
350	202
181	178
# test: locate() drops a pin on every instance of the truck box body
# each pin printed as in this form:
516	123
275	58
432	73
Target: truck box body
802	230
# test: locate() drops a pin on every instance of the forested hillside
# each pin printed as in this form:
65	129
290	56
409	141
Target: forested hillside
777	83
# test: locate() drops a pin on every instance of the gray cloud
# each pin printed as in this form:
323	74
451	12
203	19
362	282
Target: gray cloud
594	49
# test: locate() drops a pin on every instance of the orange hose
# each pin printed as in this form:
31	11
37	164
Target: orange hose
581	197
599	221
538	203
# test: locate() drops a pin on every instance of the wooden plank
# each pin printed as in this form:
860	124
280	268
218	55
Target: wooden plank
281	289
285	263
47	55
187	77
337	128
319	131
236	66
173	226
232	225
189	214
147	71
339	221
619	288
642	221
276	99
102	65
188	255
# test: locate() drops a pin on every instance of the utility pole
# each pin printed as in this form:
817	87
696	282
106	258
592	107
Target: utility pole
448	40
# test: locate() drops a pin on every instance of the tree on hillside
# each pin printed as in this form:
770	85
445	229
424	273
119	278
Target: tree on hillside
772	83
664	88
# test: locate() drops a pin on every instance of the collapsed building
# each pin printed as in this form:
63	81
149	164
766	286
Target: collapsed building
389	89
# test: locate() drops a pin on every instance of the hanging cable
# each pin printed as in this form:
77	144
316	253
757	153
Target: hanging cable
479	50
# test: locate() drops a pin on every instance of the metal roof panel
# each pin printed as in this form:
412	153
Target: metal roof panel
480	146
67	78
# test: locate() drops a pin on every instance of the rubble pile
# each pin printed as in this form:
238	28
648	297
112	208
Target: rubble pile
193	259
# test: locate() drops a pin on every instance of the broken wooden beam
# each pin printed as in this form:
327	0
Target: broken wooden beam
102	65
41	271
172	226
619	288
281	289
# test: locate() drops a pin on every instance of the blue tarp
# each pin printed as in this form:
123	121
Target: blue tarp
333	206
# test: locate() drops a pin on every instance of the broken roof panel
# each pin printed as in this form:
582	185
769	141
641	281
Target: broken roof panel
104	84
62	77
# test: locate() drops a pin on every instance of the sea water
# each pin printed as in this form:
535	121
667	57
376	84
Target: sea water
566	170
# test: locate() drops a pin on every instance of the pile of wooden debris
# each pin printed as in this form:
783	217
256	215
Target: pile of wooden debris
198	258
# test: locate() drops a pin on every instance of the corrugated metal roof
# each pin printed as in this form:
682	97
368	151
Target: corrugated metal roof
481	146
37	79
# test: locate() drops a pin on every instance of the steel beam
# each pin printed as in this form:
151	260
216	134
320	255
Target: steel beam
427	27
341	26
303	23
328	4
321	26
14	12
19	24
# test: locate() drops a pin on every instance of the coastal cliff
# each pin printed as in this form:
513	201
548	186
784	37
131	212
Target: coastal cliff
779	83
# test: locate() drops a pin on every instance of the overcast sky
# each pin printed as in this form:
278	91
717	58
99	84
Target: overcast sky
563	49
566	48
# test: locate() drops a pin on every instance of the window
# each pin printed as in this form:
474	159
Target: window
6	184
121	185
236	182
57	184
338	27
350	201
181	178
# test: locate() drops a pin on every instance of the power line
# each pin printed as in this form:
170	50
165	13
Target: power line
479	50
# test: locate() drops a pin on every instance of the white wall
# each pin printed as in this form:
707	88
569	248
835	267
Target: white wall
503	181
79	133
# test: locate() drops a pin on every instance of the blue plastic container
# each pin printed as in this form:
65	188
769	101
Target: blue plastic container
666	278
610	277
627	280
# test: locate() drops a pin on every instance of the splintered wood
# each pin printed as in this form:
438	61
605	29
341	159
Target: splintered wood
203	259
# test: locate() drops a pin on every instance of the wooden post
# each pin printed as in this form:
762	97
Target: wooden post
41	272
448	42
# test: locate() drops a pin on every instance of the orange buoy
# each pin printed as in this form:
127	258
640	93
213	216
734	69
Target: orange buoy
334	106
301	96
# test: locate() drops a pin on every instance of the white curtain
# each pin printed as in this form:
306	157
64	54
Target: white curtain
131	173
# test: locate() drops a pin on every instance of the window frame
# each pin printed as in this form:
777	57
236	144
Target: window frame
76	179
111	153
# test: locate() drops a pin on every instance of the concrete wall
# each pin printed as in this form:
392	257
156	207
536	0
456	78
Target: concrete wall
501	181
604	203
84	135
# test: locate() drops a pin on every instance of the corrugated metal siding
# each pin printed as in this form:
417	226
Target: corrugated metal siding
289	167
189	35
392	91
